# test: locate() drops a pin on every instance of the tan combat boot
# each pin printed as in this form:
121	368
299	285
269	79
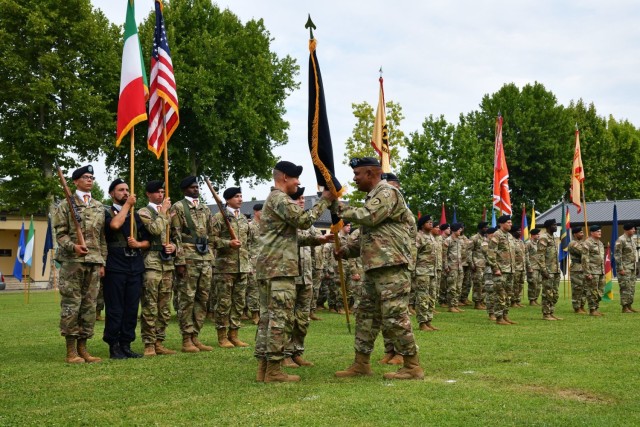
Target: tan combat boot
633	310
199	345
556	317
361	366
397	359
288	362
313	316
72	354
410	371
500	321
262	370
187	345
387	357
255	317
149	350
595	313
82	352
223	341
300	361
161	349
430	326
548	317
233	338
506	319
425	327
626	309
274	374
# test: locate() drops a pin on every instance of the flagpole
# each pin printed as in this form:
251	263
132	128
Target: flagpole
24	284
28	284
166	164
131	183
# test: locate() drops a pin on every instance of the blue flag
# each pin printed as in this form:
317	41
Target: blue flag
614	238
48	245
493	218
455	216
17	267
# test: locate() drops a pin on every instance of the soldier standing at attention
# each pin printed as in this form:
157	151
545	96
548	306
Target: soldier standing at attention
278	266
124	271
82	266
445	231
387	246
548	250
626	265
158	275
318	276
578	294
425	274
232	266
252	306
519	267
477	265
535	264
452	253
501	258
191	229
465	287
488	276
593	267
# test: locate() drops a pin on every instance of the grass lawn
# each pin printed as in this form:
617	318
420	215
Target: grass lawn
581	371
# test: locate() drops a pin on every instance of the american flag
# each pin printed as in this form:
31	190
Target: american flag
163	88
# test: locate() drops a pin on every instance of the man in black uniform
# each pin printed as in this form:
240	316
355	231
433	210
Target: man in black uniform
124	271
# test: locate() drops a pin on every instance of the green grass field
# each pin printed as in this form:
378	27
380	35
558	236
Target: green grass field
581	371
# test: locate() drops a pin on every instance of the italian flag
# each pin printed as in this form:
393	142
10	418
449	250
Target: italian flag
133	79
28	249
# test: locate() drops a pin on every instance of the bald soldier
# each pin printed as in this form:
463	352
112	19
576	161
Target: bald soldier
626	266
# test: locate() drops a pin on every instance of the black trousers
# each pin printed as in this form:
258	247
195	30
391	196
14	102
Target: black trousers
121	299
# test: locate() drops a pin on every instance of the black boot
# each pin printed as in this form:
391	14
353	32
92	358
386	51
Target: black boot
126	349
115	352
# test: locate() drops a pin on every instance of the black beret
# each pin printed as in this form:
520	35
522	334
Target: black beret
288	168
358	162
482	225
504	218
548	223
423	220
186	183
81	171
346	223
115	183
444	226
629	226
154	186
492	230
576	229
595	228
515	228
257	207
299	192
390	177
534	231
456	226
231	192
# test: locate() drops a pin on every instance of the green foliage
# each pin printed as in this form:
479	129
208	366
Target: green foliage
59	73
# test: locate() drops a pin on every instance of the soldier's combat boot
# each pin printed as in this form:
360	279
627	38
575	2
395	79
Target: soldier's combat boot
262	370
149	350
300	361
233	338
274	374
199	345
595	313
397	359
313	316
161	349
223	341
287	362
82	352
115	352
626	309
633	310
492	317
506	319
361	366
99	317
430	326
187	344
72	354
548	317
556	317
387	357
581	310
500	321
424	327
410	371
255	317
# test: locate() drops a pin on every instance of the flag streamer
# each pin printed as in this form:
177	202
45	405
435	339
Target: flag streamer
501	197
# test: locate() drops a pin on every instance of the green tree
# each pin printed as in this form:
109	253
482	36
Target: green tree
59	73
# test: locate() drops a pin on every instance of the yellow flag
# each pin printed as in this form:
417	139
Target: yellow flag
380	140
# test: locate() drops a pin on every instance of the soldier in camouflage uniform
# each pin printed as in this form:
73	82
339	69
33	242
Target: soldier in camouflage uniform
578	294
452	256
425	273
626	257
548	250
534	264
519	267
488	275
81	266
278	266
445	232
387	246
477	264
252	305
100	303
357	272
317	276
231	268
191	229
593	267
465	288
501	258
158	275
329	282
343	235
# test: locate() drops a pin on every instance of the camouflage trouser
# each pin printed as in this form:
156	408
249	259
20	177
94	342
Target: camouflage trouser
454	284
478	285
442	289
488	293
301	311
317	284
466	284
252	298
231	288
502	289
156	294
627	288
534	280
518	287
277	299
384	305
194	294
425	287
79	284
578	291
100	299
356	291
176	295
213	295
594	288
550	293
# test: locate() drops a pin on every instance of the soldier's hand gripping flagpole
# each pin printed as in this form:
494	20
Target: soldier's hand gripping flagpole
219	203
73	208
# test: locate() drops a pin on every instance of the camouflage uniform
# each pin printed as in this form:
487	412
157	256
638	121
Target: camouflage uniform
79	275
158	278
441	279
355	267
331	279
466	269
593	265
277	267
578	292
425	276
386	245
519	271
626	261
252	303
194	288
452	252
535	263
478	264
317	275
548	250
501	258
